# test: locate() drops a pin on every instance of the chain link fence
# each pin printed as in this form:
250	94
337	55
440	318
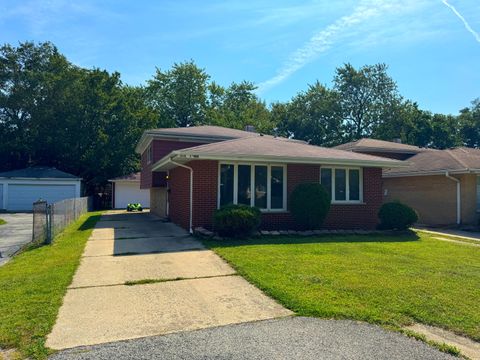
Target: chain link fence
50	219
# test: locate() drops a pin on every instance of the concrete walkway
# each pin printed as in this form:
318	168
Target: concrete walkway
462	234
193	287
16	233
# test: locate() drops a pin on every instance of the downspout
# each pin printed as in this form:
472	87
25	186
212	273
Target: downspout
191	193
459	203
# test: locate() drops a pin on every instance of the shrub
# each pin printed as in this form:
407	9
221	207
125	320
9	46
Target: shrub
395	215
236	220
309	205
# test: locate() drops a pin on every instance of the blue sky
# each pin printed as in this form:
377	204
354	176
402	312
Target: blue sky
432	47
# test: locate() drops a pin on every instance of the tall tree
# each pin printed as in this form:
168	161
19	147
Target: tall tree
367	96
469	120
179	95
445	131
54	113
314	116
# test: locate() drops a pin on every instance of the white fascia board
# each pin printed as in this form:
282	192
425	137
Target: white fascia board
431	173
23	180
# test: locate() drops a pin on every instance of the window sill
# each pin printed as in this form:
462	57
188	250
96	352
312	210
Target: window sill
348	203
279	211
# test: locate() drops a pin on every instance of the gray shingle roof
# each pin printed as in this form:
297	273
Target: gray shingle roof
373	145
460	159
38	172
279	149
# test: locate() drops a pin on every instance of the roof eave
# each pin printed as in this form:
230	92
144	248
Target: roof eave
182	156
39	178
431	172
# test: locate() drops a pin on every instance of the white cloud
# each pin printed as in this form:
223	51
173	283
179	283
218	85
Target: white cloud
323	40
465	23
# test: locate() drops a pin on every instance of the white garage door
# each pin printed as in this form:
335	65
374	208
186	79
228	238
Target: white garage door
129	193
22	196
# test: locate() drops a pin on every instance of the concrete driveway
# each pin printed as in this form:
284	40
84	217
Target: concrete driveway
14	234
188	286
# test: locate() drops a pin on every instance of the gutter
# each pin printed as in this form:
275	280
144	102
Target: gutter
459	203
191	193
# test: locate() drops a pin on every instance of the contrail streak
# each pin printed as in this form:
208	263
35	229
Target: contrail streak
465	23
324	39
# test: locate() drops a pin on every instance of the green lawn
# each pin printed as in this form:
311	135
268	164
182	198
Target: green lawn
2	222
32	286
387	280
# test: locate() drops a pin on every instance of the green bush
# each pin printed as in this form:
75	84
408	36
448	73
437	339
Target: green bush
309	205
395	215
236	220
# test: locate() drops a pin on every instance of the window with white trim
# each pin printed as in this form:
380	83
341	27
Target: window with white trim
344	185
260	185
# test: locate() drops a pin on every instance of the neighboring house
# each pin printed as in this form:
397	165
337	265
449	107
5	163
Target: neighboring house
193	171
443	186
126	190
19	189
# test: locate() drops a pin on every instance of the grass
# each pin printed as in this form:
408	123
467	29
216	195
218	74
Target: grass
446	348
388	280
2	222
32	286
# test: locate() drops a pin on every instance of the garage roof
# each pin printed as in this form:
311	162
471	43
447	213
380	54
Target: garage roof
38	172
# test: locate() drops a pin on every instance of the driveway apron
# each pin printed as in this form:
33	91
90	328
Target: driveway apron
140	276
15	234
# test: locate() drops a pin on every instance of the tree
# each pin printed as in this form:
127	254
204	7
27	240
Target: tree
367	96
314	116
179	95
410	124
469	120
238	106
54	113
445	131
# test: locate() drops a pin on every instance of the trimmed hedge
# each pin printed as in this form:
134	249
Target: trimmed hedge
309	205
395	215
236	220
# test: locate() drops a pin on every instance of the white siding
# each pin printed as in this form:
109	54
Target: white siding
127	192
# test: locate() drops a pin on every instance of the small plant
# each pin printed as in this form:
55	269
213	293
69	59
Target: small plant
236	220
395	215
309	205
134	207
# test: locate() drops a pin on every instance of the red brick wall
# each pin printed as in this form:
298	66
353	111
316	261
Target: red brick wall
160	149
205	184
361	216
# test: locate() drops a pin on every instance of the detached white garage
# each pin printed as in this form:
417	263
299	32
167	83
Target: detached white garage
126	190
19	189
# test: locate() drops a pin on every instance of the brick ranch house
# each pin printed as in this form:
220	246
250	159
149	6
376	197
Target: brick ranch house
443	186
192	171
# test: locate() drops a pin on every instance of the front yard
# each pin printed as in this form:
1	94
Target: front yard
387	280
32	286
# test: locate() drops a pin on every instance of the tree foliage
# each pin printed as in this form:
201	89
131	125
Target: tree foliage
54	113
